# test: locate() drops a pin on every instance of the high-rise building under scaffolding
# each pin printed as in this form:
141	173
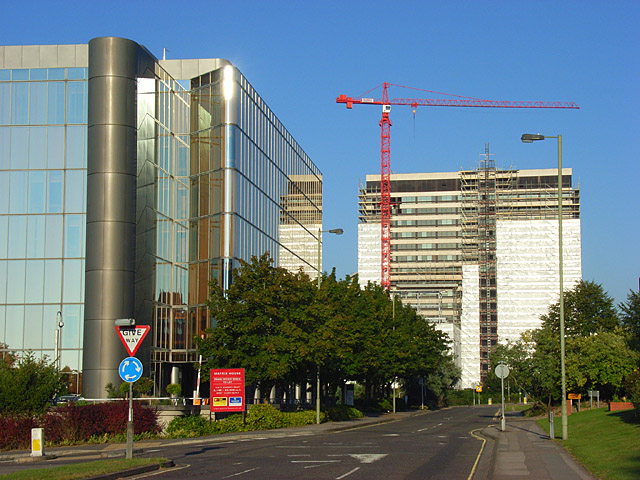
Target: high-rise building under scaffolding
474	252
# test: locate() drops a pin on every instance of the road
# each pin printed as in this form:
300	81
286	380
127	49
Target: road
436	445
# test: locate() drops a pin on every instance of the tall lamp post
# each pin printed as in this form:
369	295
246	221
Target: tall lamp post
337	231
57	340
530	138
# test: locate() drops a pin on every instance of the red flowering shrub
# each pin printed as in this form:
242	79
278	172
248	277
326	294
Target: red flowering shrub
16	432
72	424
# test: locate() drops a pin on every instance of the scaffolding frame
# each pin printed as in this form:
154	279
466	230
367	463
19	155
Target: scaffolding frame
483	191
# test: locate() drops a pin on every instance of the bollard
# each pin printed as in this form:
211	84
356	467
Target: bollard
489	403
551	429
37	442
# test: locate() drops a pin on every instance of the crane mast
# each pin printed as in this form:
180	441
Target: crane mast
385	146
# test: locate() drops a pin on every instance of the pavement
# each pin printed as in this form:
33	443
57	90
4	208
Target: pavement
525	451
522	451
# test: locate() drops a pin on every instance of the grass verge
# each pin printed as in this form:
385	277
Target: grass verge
606	443
82	470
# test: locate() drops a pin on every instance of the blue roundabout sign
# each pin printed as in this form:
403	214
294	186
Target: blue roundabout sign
130	369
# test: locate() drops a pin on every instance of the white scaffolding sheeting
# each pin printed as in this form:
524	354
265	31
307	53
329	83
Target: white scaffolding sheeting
469	347
369	253
528	273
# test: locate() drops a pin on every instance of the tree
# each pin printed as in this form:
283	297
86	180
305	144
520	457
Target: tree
282	329
587	309
534	365
599	362
262	323
596	356
29	385
630	318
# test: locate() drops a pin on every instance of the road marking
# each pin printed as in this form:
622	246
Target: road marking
300	455
348	473
427	428
475	464
368	457
241	473
315	461
392	435
161	471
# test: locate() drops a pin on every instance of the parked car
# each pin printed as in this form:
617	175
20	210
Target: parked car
67	399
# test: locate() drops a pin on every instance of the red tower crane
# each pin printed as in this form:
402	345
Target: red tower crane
385	145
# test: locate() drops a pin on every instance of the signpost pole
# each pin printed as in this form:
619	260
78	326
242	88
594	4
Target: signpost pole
130	368
129	453
502	371
502	420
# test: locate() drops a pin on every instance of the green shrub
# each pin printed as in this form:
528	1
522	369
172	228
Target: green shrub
303	417
386	405
375	406
174	389
189	426
632	387
264	417
344	412
231	424
462	397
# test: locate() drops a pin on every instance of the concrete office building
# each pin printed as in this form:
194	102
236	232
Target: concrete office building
127	184
474	251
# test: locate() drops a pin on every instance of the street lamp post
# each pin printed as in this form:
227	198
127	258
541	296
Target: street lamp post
530	138
337	231
57	340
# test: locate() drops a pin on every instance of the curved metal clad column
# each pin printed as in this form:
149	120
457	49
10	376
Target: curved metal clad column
111	197
231	94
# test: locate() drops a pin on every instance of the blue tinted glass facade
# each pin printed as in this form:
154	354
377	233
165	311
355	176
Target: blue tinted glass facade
43	118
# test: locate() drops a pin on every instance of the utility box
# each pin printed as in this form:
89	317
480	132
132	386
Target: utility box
37	442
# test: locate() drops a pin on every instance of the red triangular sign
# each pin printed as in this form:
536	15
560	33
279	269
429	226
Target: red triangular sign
132	337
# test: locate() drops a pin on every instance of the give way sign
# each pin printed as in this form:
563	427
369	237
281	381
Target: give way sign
132	337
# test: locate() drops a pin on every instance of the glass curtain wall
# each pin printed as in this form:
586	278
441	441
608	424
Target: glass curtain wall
249	177
43	125
163	213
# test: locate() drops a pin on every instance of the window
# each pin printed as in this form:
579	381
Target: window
55	100
37	103
54	191
19	103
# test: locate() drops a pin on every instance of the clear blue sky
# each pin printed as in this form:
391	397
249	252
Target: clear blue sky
300	55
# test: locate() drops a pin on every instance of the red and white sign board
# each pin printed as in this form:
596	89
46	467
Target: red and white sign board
132	337
227	390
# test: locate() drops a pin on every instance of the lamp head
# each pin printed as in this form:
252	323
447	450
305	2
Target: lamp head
125	322
531	137
337	231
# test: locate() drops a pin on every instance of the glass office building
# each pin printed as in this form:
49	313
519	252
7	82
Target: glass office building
127	184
